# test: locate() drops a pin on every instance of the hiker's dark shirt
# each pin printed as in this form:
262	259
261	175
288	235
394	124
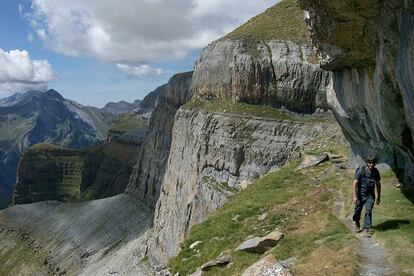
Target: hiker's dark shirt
370	175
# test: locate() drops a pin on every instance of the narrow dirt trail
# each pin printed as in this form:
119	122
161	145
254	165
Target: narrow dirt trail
373	259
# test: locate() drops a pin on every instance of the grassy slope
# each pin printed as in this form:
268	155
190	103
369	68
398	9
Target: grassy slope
282	21
294	204
126	122
394	223
297	202
300	203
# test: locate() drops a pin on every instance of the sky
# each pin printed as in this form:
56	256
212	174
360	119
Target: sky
95	52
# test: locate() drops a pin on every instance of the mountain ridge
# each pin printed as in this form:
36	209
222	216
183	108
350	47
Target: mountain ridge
44	116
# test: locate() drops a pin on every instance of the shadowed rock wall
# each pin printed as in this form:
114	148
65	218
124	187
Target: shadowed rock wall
369	46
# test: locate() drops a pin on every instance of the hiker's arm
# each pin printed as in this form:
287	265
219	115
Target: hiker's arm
354	190
378	184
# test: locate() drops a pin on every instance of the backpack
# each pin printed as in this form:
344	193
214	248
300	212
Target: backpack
367	184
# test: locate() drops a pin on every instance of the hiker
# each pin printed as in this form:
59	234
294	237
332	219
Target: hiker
366	179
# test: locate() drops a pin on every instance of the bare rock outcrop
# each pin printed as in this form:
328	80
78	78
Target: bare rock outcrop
369	45
148	172
276	72
267	266
212	156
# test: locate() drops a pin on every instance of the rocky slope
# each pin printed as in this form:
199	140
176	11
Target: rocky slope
54	238
43	116
369	45
121	107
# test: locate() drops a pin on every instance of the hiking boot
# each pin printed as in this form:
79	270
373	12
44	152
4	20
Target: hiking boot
368	233
357	228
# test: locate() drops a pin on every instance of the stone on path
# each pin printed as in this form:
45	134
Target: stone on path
267	266
261	245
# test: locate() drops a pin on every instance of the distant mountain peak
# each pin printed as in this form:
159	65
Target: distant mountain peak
120	107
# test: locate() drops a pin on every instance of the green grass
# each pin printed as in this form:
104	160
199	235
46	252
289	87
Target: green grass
294	205
393	222
44	147
283	21
126	122
250	110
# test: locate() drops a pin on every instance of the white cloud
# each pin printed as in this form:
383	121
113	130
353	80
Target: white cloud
136	31
142	70
19	73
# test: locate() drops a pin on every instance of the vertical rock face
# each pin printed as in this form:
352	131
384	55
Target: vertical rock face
212	156
276	72
369	45
148	172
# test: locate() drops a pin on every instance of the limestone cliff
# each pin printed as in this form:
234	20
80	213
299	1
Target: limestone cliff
148	172
212	156
251	65
369	45
224	138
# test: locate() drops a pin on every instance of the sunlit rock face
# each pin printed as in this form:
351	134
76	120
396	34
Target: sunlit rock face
369	45
277	73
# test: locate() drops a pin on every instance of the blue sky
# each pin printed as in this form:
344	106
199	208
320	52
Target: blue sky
94	52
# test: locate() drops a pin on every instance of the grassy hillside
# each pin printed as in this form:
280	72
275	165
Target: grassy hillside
301	204
282	21
394	223
125	122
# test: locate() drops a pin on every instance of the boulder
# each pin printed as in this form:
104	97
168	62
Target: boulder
261	245
266	266
313	160
220	261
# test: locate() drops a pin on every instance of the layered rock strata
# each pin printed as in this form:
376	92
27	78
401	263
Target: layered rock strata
47	172
148	172
369	45
276	73
43	116
212	156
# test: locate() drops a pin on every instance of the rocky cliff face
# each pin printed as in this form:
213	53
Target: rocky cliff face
43	116
369	45
277	73
212	156
216	150
269	60
148	172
